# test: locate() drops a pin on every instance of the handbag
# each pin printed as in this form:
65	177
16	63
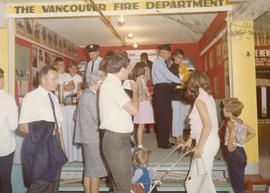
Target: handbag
201	183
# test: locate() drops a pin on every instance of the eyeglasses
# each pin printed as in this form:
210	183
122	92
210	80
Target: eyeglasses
179	56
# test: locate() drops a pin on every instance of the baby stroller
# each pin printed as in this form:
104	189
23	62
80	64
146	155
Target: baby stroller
160	175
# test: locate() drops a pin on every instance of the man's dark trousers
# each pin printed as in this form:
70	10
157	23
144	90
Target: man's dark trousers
162	108
5	173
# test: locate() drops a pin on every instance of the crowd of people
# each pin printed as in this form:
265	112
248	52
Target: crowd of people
115	97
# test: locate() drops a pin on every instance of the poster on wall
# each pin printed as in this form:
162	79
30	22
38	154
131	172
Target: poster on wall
55	41
60	43
47	58
22	69
36	30
134	55
29	27
32	29
38	58
41	57
20	25
44	35
34	57
219	56
34	66
50	38
35	78
211	59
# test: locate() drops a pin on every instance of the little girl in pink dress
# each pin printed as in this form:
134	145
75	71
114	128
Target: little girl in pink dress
145	114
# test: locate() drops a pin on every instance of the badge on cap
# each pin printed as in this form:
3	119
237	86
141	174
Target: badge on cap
92	47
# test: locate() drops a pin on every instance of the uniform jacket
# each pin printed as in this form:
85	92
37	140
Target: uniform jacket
42	152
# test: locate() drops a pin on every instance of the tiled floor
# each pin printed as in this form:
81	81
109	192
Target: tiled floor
264	155
159	154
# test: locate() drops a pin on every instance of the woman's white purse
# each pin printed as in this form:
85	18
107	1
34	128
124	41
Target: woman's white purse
202	183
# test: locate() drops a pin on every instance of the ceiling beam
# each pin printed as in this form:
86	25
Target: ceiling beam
108	23
236	1
249	9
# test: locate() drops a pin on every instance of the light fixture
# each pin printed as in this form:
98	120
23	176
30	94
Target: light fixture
135	45
130	35
121	19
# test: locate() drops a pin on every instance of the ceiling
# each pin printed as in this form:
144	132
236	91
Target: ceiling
262	23
150	29
155	29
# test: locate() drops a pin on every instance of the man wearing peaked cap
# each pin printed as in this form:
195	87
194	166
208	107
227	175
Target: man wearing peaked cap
165	47
95	59
92	47
162	78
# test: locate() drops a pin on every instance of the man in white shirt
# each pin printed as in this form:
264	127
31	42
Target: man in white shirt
95	59
64	78
8	125
116	109
41	104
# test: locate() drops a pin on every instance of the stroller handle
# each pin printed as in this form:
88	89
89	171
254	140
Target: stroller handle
168	156
176	161
181	157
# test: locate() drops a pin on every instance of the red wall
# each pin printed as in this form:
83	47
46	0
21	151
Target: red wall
217	26
191	50
83	55
28	44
